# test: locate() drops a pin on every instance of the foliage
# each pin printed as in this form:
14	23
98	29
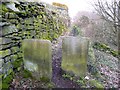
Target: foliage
67	76
82	21
50	85
7	80
47	81
76	31
4	8
44	79
27	74
97	29
91	62
17	64
105	48
81	81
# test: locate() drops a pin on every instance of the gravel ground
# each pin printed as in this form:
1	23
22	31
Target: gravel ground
59	81
108	67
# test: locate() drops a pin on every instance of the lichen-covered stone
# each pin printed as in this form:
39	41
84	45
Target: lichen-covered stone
26	20
74	55
37	57
9	29
5	53
13	57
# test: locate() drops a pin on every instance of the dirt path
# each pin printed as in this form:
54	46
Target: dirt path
57	78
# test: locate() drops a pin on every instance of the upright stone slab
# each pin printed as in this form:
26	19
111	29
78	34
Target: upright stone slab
38	57
74	55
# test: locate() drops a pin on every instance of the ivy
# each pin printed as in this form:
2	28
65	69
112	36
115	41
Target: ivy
67	76
17	63
7	80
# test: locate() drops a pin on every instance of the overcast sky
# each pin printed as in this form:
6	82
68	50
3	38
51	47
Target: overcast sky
74	5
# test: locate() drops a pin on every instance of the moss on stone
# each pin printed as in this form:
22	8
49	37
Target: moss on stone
31	21
4	53
4	8
37	57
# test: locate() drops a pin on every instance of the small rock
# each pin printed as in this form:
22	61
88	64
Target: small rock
87	78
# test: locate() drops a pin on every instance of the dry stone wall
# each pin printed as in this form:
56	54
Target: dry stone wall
25	20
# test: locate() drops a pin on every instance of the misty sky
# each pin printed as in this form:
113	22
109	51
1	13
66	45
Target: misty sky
74	5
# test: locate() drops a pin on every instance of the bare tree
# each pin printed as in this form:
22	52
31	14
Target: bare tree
110	11
82	21
119	28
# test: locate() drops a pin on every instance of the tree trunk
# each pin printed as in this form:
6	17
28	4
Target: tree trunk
114	15
119	28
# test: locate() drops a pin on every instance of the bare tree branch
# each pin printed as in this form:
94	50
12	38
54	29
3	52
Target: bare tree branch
108	11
